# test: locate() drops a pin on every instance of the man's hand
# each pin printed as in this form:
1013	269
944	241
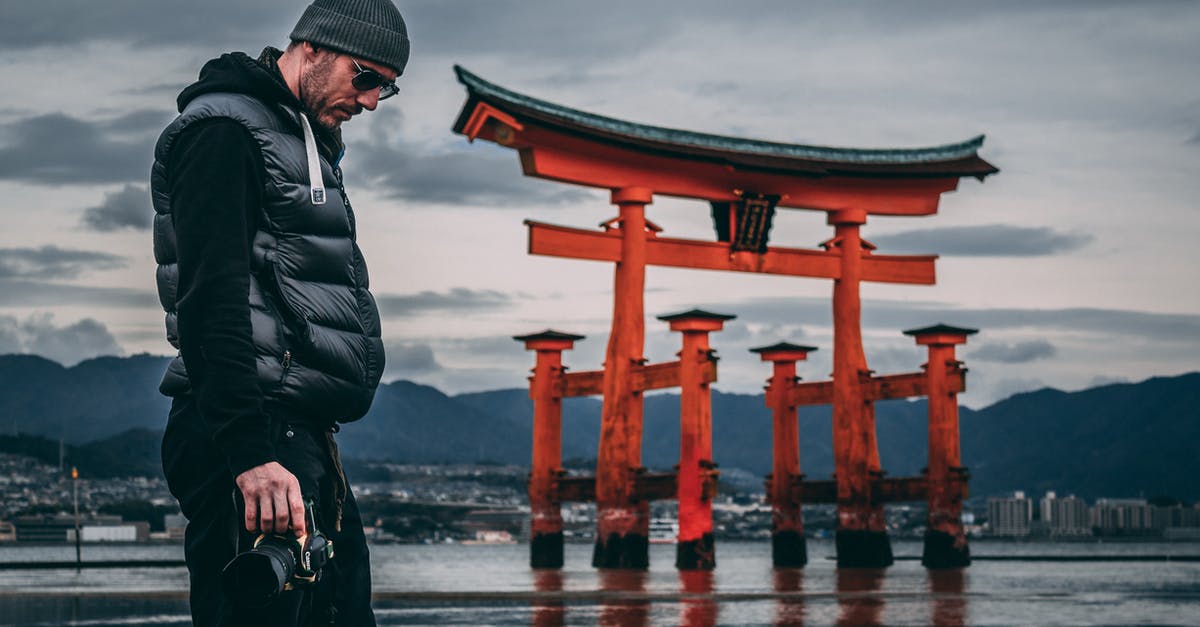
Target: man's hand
273	501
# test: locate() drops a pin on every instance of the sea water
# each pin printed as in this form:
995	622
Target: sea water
492	585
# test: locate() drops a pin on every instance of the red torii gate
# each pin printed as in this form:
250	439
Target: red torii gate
943	485
744	181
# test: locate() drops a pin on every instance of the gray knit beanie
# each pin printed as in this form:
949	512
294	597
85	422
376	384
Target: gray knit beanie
369	29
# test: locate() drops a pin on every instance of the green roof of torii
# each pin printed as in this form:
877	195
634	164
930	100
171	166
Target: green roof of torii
949	160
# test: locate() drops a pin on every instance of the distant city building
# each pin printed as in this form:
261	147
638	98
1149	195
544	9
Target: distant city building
1010	516
174	525
1067	516
60	528
510	520
1182	523
1123	517
123	532
1177	516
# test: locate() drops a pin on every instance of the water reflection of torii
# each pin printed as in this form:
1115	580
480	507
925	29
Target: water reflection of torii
744	181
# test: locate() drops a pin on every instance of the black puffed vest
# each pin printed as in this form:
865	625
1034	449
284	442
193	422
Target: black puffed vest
315	324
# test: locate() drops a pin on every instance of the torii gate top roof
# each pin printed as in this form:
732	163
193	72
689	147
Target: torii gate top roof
951	160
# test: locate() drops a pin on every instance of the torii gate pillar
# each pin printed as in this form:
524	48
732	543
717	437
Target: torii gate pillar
861	537
696	485
622	516
788	546
945	541
545	389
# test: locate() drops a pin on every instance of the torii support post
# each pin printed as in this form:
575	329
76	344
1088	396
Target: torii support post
546	524
788	546
622	516
945	541
694	547
861	537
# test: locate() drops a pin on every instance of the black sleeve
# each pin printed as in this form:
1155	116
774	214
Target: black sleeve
215	176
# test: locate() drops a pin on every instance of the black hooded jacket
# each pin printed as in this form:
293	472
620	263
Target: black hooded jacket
215	227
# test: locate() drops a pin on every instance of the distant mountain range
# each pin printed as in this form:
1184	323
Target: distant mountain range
1115	440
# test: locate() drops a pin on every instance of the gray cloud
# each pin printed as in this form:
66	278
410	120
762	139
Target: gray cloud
1157	326
67	345
1017	353
436	25
142	22
994	240
56	148
899	315
169	90
454	299
1005	388
407	358
1101	380
19	293
478	175
1194	139
128	207
52	262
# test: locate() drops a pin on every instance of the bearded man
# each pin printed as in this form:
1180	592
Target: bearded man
267	301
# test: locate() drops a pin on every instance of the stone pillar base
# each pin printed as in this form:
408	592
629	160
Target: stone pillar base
857	548
696	554
631	550
546	550
788	549
941	552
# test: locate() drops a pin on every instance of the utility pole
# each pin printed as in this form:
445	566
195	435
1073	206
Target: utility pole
78	535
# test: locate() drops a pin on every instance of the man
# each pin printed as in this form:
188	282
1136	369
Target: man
266	298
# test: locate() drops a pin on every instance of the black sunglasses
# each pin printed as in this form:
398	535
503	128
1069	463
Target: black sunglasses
368	79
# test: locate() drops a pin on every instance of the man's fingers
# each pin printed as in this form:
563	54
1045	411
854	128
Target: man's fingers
266	514
296	502
251	513
282	513
273	500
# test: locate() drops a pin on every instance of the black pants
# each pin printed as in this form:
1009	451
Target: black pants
199	478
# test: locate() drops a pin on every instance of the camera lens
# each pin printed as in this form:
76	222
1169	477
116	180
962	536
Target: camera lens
256	577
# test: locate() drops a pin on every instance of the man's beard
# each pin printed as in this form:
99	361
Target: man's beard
313	92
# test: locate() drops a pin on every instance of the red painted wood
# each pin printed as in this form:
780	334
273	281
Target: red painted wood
572	243
853	421
946	477
879	388
546	514
549	154
619	456
785	466
500	125
695	442
649	377
546	466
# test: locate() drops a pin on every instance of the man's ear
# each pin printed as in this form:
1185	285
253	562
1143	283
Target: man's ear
311	52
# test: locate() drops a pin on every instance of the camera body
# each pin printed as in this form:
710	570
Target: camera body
276	563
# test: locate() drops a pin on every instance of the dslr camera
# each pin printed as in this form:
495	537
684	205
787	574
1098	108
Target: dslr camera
276	563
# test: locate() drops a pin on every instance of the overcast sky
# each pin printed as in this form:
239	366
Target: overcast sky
1078	262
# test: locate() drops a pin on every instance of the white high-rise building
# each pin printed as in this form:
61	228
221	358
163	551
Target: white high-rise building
1066	516
1134	516
1010	516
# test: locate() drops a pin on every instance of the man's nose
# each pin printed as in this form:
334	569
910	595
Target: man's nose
369	99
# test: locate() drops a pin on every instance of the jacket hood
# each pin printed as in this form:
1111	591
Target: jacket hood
238	73
235	72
